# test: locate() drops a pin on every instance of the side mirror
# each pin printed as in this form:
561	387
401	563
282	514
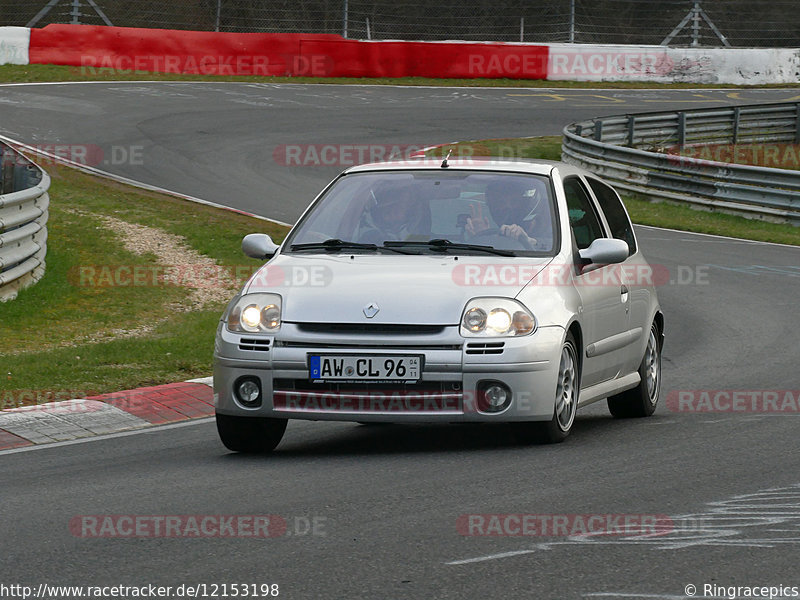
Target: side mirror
605	251
259	245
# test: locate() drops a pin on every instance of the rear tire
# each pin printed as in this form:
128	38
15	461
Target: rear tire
642	400
253	435
568	388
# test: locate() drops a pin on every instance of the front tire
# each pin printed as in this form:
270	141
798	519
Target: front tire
642	400
566	401
253	435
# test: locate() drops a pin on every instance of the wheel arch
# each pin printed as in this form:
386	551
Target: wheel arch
577	333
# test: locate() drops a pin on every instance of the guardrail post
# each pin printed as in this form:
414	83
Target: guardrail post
797	124
737	113
631	129
6	170
598	130
681	129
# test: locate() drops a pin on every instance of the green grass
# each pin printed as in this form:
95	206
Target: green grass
642	211
60	334
51	73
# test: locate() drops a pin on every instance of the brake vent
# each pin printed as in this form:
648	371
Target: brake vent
485	347
258	344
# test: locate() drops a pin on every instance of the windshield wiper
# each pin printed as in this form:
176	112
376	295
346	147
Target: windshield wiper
442	245
333	245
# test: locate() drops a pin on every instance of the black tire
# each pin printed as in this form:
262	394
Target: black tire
642	400
567	393
253	435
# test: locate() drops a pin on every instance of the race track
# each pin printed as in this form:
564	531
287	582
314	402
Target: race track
387	499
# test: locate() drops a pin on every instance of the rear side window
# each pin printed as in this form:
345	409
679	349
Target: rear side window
582	218
612	208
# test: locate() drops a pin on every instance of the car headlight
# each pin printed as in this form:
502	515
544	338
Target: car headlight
255	313
496	317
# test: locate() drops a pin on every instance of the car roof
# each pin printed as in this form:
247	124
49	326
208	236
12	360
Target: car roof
534	167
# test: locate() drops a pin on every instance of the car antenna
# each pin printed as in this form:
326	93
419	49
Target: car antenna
444	162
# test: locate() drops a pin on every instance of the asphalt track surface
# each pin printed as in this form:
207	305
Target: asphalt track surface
387	499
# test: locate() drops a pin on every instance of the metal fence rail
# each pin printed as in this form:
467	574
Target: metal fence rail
687	156
741	23
23	218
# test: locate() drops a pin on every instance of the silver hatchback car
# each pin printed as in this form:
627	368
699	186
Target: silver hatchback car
442	292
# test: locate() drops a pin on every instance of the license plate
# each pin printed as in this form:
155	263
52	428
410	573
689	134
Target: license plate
343	367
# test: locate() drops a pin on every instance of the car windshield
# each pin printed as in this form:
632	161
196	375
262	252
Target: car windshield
425	212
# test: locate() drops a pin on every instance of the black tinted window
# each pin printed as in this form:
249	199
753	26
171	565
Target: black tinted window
612	208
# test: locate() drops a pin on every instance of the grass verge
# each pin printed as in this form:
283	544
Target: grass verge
642	211
91	326
55	73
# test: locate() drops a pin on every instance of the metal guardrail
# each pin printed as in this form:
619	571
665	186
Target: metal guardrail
650	153
23	218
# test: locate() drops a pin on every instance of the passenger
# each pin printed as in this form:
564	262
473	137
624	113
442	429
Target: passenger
513	207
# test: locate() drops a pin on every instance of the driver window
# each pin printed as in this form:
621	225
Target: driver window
582	218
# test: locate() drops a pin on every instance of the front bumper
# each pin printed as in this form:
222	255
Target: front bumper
454	369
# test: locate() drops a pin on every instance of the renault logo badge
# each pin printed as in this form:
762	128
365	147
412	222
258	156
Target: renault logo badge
371	309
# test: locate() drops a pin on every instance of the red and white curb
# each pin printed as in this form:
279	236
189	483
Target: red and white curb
106	413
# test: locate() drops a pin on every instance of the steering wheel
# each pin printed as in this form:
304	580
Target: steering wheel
495	231
488	232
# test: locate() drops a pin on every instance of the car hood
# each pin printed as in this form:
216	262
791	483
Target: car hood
418	289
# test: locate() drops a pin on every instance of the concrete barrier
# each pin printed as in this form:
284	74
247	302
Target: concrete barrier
327	55
662	64
14	44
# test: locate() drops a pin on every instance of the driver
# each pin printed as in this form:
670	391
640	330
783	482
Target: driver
512	205
392	215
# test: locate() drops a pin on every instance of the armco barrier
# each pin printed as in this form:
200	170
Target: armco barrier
673	156
23	218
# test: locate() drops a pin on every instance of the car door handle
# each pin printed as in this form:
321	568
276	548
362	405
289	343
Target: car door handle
623	292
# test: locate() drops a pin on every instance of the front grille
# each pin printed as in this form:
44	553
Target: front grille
369	329
257	344
485	347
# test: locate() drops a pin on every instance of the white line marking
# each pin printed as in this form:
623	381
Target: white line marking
638	595
467	561
742	521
